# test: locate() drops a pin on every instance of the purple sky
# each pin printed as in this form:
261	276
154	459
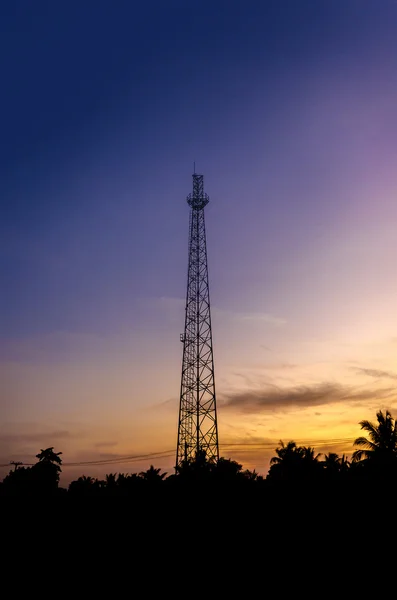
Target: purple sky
289	110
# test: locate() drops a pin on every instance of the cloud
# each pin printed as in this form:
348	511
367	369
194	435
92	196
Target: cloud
261	317
246	317
24	446
48	347
377	373
170	403
174	305
171	301
269	399
27	438
105	444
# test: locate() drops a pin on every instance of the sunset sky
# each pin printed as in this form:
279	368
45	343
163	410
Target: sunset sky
288	108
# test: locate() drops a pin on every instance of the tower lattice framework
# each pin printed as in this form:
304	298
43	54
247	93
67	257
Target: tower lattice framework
197	428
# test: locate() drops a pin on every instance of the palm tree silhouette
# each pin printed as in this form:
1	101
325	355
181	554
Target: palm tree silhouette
344	463
294	462
85	485
381	444
308	454
331	461
152	475
285	465
111	480
286	453
46	471
49	456
336	465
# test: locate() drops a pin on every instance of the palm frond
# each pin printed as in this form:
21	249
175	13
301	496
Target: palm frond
371	429
358	455
363	441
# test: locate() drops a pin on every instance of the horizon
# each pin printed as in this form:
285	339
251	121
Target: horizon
289	113
125	465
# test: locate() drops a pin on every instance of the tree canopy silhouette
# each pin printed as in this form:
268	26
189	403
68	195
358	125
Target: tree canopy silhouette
294	468
378	450
294	463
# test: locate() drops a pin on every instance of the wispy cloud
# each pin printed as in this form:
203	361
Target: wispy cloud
51	347
376	373
105	444
33	438
247	317
273	398
170	403
174	306
264	317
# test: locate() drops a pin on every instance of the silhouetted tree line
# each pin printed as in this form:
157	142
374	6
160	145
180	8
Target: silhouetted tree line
293	468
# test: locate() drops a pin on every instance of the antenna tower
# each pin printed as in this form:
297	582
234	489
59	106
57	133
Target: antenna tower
198	428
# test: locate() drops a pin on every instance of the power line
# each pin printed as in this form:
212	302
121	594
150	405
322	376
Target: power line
239	446
120	459
305	442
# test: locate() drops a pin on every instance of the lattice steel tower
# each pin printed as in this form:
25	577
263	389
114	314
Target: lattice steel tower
197	429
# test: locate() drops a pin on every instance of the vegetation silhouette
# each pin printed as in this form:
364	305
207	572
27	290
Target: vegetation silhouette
40	479
294	471
381	446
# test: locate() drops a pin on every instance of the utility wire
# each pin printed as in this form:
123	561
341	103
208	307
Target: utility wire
251	446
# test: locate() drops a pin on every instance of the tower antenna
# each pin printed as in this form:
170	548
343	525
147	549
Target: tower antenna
197	427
